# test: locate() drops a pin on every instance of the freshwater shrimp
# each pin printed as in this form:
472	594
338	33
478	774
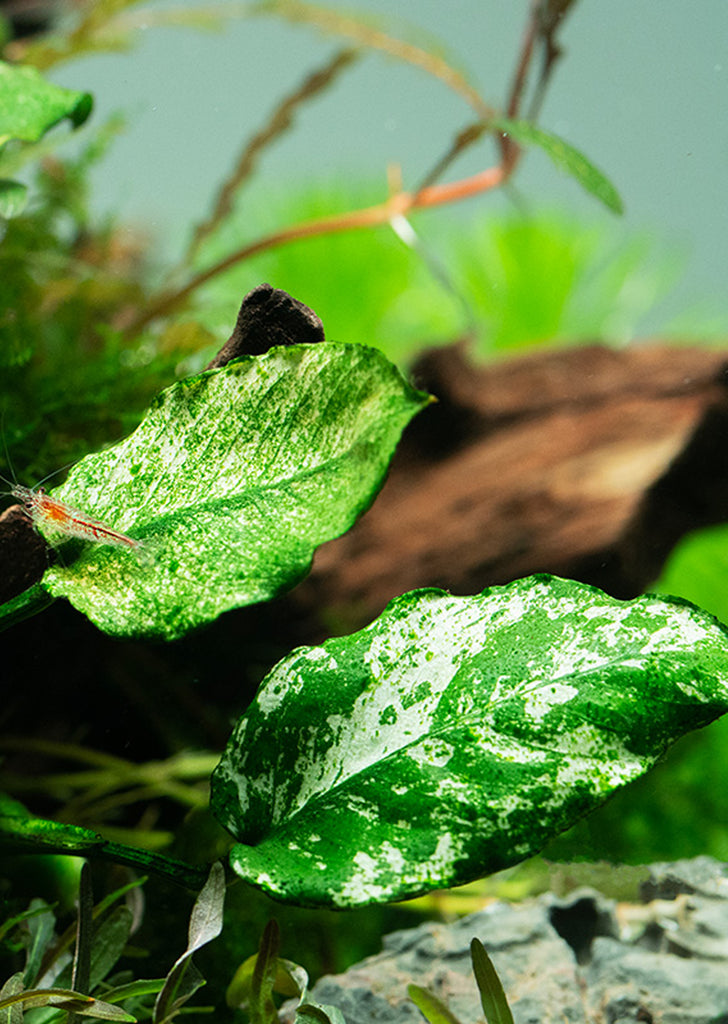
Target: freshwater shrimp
46	511
42	510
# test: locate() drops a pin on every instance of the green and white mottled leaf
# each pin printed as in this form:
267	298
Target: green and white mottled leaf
30	104
455	736
565	156
231	481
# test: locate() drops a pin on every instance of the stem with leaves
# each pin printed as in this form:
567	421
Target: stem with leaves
544	19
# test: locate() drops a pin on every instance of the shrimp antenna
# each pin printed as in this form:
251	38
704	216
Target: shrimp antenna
55	472
14	482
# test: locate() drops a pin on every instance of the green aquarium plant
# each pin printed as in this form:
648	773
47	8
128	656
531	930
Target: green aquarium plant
451	737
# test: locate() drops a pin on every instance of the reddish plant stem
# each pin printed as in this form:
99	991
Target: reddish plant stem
372	216
399	204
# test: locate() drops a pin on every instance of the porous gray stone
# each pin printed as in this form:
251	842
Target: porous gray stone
580	960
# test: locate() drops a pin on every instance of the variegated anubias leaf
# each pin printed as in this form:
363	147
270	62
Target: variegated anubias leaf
230	482
456	735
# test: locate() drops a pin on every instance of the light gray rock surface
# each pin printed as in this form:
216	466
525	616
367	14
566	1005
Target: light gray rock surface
580	959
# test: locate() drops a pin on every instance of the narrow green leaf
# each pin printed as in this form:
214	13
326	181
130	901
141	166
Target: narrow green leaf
113	897
134	990
12	1014
41	928
33	600
230	483
36	908
191	876
492	997
25	834
30	105
456	735
13	197
431	1008
205	925
81	972
110	936
206	917
109	939
188	981
565	156
67	999
261	1008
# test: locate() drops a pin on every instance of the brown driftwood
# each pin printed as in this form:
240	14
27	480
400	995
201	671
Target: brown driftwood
586	462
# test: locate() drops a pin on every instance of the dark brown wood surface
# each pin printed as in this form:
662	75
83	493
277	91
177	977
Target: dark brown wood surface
587	462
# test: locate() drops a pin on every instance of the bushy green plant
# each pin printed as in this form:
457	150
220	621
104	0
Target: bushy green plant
53	985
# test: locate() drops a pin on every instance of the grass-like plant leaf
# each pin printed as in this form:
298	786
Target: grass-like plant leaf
565	156
30	105
184	979
12	1014
492	997
230	482
456	735
134	990
40	933
261	1007
431	1008
65	999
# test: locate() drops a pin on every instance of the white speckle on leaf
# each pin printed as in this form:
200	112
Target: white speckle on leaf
446	853
539	702
683	632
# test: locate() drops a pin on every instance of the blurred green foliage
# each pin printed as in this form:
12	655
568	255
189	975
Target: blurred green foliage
73	381
698	570
68	382
510	281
